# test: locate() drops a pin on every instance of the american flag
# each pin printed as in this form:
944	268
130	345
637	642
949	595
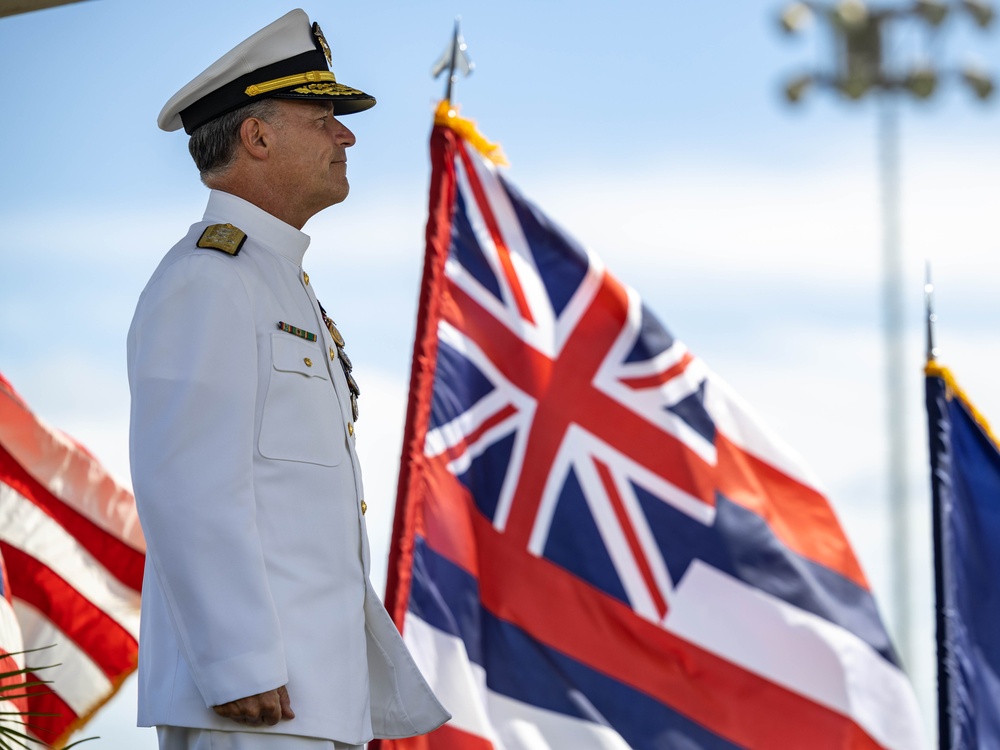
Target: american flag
74	555
596	545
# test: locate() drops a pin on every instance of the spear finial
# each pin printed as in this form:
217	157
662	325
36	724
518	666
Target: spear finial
453	59
932	351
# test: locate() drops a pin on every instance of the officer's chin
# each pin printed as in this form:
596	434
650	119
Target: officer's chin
341	194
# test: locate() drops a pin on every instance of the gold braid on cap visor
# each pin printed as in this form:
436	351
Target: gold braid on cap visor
312	76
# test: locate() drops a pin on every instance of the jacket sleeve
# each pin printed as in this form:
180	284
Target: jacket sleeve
192	357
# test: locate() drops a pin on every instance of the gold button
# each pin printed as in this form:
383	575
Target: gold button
305	277
350	428
364	507
309	362
333	354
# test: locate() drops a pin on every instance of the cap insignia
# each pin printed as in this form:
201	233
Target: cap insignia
318	33
224	237
327	89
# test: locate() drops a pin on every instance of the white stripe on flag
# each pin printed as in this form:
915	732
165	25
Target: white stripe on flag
798	650
74	675
27	527
508	724
525	727
459	684
735	419
68	471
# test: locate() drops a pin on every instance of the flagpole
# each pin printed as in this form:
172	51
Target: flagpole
931	317
424	358
938	531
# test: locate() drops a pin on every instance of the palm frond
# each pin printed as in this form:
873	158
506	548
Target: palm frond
11	731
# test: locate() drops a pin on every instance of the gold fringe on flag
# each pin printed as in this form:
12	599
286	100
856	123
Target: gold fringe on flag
934	370
447	115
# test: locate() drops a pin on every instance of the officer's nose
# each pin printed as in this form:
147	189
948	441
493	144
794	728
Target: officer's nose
344	135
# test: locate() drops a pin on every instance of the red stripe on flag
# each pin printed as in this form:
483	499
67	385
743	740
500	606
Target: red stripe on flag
651	381
486	210
443	738
729	701
444	517
121	560
454	451
799	516
49	729
109	645
633	541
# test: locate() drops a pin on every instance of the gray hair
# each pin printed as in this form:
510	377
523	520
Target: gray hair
213	145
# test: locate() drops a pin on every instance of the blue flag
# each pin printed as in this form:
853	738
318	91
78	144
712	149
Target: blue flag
965	479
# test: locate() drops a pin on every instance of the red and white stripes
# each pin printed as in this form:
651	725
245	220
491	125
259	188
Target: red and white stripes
74	553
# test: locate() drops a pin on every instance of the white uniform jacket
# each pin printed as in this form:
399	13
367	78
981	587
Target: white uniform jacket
249	492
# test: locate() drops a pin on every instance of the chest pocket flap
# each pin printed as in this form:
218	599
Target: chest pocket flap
301	409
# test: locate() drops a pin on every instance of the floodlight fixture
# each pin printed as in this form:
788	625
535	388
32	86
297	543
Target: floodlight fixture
851	14
921	81
795	17
796	88
979	81
982	12
932	11
854	87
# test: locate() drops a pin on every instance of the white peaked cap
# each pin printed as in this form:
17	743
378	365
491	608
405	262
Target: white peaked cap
287	59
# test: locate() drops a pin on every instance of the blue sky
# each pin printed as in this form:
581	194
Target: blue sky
652	130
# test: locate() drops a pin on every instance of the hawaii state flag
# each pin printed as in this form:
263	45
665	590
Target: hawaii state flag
965	483
74	554
596	545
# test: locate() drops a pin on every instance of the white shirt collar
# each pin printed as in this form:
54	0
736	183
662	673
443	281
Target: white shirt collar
258	225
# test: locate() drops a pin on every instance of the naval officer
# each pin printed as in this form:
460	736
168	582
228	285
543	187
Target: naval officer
260	628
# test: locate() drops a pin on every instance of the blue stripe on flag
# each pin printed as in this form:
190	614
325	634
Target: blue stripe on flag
447	598
741	544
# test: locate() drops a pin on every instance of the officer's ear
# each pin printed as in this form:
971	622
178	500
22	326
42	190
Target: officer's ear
256	136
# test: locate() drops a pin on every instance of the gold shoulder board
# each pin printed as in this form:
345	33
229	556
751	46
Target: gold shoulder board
224	237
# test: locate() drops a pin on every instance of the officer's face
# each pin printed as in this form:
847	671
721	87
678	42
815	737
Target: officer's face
312	153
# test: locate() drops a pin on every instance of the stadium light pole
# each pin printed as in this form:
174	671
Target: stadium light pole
862	66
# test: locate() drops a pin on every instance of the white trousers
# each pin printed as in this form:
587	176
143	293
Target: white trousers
183	738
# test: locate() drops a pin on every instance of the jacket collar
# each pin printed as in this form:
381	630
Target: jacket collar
259	226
